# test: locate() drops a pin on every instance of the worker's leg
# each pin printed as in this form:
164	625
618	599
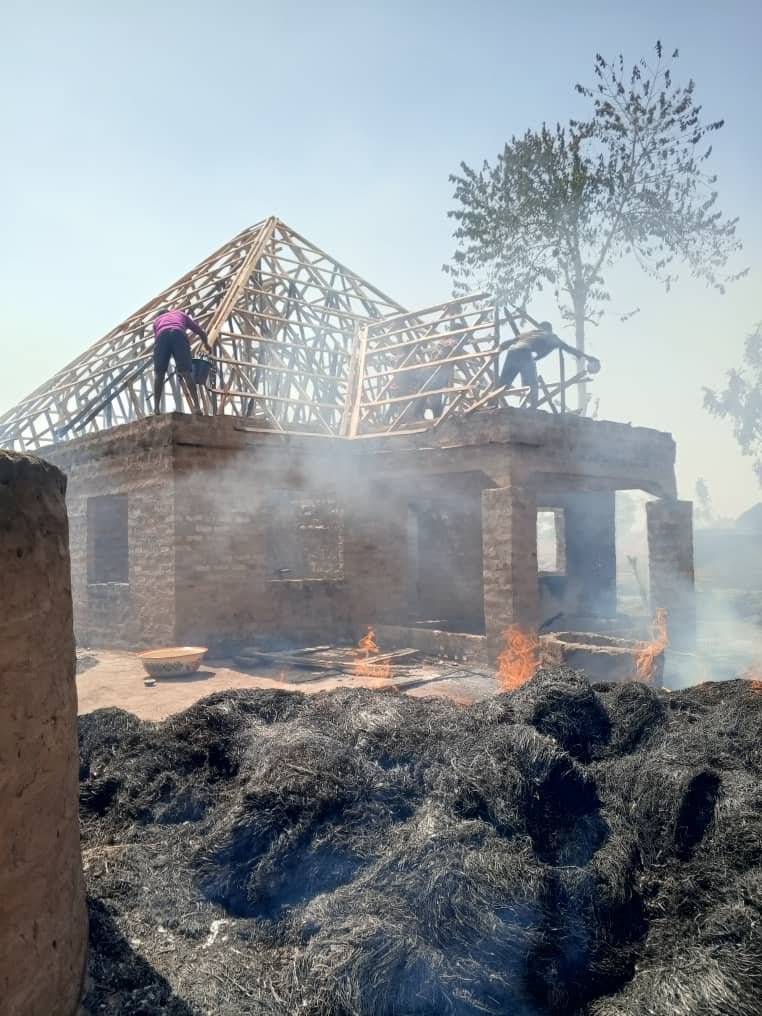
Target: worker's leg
529	379
511	368
161	352
158	389
444	379
181	352
417	410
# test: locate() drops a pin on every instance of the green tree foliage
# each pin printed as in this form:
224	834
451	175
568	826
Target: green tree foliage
561	205
741	401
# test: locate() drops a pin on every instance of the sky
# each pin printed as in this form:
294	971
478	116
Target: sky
138	139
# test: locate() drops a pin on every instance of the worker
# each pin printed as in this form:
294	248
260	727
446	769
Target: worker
526	349
426	379
171	341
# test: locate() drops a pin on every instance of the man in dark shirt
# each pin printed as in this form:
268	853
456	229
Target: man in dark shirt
526	349
428	379
171	342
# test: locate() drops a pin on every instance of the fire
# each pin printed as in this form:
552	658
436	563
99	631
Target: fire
519	660
651	650
753	675
365	665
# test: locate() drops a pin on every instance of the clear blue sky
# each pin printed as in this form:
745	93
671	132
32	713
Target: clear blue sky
137	141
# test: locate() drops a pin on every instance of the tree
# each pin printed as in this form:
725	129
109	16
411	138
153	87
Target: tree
741	401
561	205
702	503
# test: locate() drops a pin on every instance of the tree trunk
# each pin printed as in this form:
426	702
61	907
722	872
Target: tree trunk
579	302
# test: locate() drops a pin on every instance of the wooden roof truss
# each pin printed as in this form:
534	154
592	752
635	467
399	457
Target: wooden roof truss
300	343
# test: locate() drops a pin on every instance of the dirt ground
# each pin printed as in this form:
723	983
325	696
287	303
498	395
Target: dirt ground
116	679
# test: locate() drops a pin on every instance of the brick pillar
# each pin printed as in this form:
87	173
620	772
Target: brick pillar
509	541
670	563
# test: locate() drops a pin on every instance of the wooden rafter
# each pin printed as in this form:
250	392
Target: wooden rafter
269	289
300	343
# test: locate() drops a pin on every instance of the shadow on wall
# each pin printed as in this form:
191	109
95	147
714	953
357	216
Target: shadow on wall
120	982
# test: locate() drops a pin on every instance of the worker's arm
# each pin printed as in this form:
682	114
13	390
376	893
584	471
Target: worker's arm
593	361
572	350
195	327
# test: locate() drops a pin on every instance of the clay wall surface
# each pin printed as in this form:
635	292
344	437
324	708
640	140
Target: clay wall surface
232	546
225	546
134	461
509	536
414	551
670	563
554	453
43	922
411	547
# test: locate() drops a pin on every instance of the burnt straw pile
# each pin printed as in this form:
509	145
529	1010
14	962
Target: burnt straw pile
564	849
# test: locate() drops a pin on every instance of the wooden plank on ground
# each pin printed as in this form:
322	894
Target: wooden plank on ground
343	660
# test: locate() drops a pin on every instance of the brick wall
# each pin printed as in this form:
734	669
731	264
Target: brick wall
230	542
206	539
376	555
670	564
446	547
509	535
135	461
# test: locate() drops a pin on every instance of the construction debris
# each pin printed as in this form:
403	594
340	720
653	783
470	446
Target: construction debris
563	849
327	659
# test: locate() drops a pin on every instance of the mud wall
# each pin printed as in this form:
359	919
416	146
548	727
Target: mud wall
120	505
43	924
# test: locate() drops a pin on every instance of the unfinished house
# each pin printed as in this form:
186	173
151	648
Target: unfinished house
359	464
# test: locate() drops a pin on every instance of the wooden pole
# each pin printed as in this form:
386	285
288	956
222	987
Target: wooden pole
362	338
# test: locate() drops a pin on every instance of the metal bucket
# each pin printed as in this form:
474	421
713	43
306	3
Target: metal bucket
201	370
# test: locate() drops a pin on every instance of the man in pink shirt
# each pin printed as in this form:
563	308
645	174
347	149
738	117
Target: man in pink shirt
170	330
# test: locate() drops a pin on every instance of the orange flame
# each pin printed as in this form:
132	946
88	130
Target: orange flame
645	663
753	675
520	658
365	666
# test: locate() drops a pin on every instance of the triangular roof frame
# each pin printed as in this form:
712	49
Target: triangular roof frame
282	315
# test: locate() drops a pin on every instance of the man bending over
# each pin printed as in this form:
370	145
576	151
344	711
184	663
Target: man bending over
170	330
526	349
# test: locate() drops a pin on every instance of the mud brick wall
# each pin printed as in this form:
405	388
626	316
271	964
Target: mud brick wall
230	541
135	461
446	551
376	555
43	923
670	564
509	537
215	558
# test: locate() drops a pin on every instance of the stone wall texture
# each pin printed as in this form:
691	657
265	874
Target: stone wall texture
43	923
